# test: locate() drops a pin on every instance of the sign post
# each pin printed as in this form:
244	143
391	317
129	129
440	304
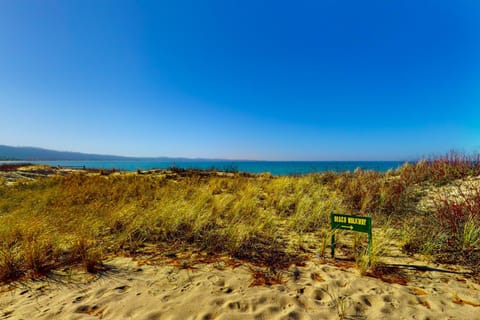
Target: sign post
352	223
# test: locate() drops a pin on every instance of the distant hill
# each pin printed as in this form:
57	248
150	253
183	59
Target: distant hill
32	154
39	154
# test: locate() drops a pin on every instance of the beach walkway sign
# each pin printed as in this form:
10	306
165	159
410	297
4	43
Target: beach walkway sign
351	223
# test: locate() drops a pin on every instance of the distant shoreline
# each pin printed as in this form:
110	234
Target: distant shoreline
250	166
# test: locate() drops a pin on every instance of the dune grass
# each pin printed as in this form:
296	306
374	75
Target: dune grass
83	217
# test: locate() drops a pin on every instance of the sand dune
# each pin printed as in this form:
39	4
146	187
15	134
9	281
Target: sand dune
163	285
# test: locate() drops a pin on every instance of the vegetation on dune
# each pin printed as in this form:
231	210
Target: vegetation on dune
82	217
446	228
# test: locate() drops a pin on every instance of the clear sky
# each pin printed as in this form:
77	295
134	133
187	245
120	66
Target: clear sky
274	80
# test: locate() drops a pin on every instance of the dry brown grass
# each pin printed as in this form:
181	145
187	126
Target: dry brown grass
81	217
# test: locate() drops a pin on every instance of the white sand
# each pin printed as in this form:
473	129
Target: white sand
133	290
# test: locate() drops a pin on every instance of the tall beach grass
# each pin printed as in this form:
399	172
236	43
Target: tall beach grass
83	217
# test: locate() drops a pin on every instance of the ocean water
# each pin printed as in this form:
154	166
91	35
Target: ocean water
273	167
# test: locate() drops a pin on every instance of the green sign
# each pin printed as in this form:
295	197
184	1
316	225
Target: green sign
351	223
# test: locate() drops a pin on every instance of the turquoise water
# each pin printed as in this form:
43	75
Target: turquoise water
274	167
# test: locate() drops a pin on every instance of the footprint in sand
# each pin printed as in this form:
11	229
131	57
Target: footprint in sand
153	316
240	306
90	310
227	290
387	309
78	299
122	288
365	301
318	294
359	308
207	316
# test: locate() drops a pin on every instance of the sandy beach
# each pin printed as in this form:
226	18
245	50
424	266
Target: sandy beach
151	288
260	271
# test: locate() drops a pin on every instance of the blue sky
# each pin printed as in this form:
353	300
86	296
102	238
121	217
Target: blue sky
273	80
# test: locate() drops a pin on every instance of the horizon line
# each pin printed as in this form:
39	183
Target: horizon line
133	158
